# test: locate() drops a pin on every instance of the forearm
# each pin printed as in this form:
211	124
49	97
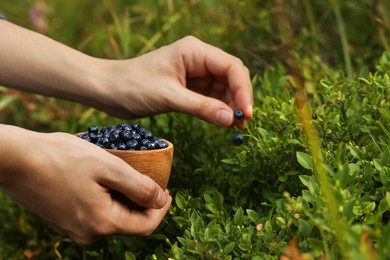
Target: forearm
33	62
14	149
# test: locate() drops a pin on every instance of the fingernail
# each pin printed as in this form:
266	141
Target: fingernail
250	110
223	117
161	199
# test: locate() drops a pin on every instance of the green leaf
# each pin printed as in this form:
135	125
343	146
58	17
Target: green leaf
229	161
129	256
385	157
378	165
304	227
218	200
313	186
243	247
305	160
368	207
384	204
355	152
183	241
253	216
281	221
6	101
238	216
386	236
214	203
229	247
264	134
180	201
348	209
304	179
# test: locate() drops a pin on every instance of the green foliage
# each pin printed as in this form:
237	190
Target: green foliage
263	199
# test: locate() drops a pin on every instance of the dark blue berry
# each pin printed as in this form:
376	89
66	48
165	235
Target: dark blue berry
143	148
238	139
144	142
92	129
132	144
125	136
238	114
135	126
136	136
162	144
314	116
85	137
141	131
100	145
104	141
94	137
114	137
113	146
151	145
147	135
104	130
121	146
121	125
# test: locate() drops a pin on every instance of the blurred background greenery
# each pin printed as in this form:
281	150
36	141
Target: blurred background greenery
329	35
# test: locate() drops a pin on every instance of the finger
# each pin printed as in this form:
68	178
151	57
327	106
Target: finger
141	223
206	108
241	89
137	187
221	64
238	82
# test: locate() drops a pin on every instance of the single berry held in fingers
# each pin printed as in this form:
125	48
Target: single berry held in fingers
238	139
238	114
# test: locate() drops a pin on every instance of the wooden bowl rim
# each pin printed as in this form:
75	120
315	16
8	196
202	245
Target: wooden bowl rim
160	150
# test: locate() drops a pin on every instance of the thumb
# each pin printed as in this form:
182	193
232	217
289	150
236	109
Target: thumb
206	108
129	186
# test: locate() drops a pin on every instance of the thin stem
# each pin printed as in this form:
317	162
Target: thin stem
343	36
304	112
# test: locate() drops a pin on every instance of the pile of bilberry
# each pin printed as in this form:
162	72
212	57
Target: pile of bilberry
123	137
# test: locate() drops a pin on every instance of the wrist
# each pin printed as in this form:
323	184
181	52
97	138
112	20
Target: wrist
16	144
115	86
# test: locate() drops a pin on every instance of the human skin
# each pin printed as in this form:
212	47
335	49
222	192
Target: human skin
66	180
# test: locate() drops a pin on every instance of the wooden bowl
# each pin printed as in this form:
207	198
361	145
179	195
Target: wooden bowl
156	163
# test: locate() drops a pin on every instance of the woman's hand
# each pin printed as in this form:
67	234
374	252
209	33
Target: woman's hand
188	76
69	183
